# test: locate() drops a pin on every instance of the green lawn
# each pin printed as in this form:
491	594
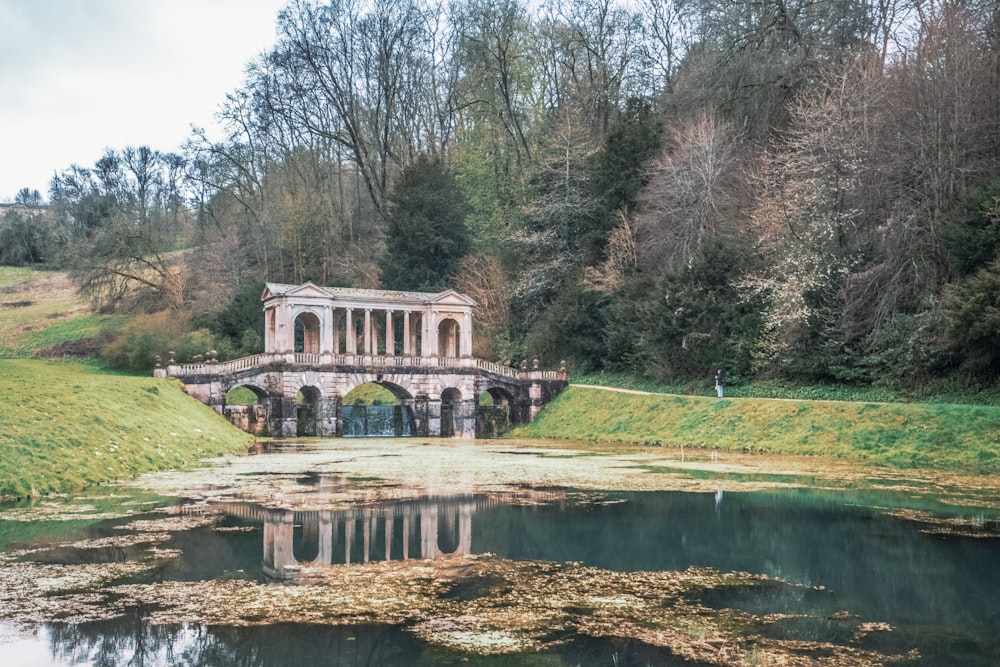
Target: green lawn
67	426
898	434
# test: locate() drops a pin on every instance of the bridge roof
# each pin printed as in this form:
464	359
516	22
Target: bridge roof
349	294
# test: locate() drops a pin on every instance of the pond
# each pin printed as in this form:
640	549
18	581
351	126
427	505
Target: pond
441	552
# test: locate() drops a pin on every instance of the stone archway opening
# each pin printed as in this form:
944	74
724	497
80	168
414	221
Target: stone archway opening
450	399
449	338
307	333
245	407
493	413
306	411
377	410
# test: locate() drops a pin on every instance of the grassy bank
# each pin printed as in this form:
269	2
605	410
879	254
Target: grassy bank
935	435
39	309
940	390
66	426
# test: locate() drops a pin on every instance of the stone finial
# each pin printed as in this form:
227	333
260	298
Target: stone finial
534	364
157	358
524	364
171	355
562	366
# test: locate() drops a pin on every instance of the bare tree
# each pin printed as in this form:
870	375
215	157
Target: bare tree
348	71
692	194
600	51
498	79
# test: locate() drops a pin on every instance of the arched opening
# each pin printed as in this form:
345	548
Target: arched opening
305	540
245	408
448	338
449	530
449	400
493	413
307	333
377	410
306	403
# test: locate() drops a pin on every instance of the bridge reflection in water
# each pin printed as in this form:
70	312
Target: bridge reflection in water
426	528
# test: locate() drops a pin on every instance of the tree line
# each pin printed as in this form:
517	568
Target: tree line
795	188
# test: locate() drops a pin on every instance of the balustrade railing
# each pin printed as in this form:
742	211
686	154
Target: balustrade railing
365	361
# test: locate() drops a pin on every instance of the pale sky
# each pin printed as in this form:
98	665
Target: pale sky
80	76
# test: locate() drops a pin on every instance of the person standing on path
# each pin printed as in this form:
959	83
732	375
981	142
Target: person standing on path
720	381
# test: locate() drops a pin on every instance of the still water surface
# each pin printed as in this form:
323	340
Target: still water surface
834	559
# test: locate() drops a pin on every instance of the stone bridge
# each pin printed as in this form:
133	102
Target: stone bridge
321	343
303	394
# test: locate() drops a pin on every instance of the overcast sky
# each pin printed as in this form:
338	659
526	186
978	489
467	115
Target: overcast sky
80	76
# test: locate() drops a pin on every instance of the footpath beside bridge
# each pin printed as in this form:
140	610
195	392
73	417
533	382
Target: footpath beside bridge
315	355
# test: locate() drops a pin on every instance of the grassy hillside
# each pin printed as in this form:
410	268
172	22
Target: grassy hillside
65	425
938	435
39	309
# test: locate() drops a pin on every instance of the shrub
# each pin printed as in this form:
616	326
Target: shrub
134	347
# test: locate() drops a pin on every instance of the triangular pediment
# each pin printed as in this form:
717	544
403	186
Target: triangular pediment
272	290
308	290
452	298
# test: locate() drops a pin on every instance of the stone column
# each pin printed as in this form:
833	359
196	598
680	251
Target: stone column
270	330
429	532
286	330
348	536
368	332
390	337
336	331
324	553
406	533
466	342
326	331
278	559
429	344
350	333
407	348
465	530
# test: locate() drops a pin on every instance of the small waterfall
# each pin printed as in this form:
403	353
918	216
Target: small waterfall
377	421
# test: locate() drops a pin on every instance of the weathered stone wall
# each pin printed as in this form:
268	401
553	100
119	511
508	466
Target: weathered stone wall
422	388
249	418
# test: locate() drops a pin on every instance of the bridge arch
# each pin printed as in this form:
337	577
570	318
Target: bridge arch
496	412
248	415
361	418
451	399
307	411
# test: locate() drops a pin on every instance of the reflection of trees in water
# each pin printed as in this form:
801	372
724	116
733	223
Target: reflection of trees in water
130	641
125	640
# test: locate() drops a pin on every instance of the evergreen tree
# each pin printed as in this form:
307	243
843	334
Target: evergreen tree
426	236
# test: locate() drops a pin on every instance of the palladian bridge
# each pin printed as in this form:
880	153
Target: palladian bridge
320	343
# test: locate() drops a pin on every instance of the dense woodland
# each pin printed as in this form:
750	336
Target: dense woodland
803	189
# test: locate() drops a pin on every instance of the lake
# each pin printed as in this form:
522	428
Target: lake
443	552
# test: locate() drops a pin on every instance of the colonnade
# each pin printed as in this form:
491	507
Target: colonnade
431	324
358	535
